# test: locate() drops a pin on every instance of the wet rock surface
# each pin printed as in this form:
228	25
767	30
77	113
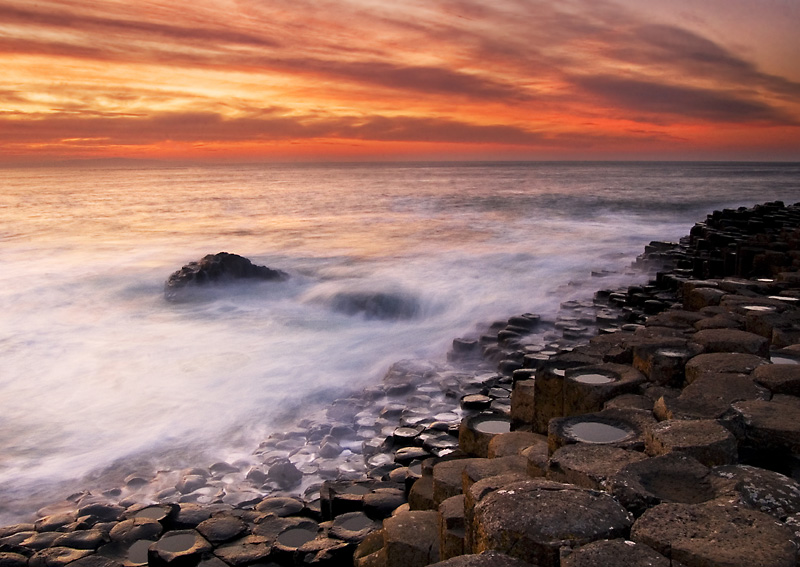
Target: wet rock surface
695	369
216	269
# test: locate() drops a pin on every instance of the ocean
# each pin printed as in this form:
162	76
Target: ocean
97	368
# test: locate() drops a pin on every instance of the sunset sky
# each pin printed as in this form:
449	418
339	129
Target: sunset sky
278	80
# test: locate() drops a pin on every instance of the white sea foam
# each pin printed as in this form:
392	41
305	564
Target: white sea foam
97	366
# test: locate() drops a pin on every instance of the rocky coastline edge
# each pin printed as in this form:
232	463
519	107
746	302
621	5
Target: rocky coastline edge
655	425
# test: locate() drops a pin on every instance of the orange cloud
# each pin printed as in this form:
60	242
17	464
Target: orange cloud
520	78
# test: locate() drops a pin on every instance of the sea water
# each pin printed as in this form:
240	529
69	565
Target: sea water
97	368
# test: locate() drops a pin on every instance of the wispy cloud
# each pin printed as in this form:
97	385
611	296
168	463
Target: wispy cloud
513	72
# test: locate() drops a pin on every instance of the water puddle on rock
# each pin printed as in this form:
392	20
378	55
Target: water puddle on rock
177	543
356	523
758	308
357	490
137	553
296	537
593	378
493	426
597	432
152	513
777	359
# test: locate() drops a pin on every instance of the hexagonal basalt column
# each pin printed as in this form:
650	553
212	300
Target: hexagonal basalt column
716	534
533	521
587	388
476	431
704	439
620	427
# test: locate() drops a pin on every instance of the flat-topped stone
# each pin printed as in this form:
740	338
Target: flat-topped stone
667	478
721	362
663	361
709	397
533	521
448	478
411	539
779	378
57	556
477	431
713	533
222	528
720	321
178	548
620	427
587	388
615	553
705	440
630	401
484	468
485	559
476	493
732	340
769	425
513	443
589	466
766	491
700	297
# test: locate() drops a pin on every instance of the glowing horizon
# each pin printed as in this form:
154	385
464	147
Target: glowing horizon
243	80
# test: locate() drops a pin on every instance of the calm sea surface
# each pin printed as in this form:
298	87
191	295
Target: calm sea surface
95	366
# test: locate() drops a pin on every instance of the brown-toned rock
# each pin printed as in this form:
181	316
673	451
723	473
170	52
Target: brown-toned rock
705	440
721	363
699	535
532	520
763	490
769	425
668	478
477	431
732	340
589	466
618	427
522	404
222	528
709	397
451	527
475	494
779	378
485	559
177	548
411	539
513	443
484	468
448	479
587	388
615	553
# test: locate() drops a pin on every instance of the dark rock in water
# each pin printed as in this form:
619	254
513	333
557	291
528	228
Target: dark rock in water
375	305
217	268
284	474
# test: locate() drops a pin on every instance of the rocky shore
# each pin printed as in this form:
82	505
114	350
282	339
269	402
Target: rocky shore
655	425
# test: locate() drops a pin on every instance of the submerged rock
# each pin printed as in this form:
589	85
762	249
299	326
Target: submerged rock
216	268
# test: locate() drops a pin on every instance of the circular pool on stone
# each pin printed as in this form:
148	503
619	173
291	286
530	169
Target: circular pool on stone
597	432
618	427
758	308
593	378
295	537
587	388
476	431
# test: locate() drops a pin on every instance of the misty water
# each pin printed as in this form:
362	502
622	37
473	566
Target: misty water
98	368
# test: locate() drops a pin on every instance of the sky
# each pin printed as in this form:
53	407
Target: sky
354	80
